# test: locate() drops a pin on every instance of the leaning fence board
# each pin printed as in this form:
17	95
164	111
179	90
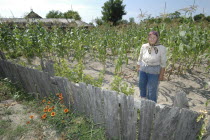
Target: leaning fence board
88	106
91	92
5	69
23	79
84	99
147	112
29	79
165	123
26	78
188	128
66	85
11	71
128	117
2	73
61	87
99	111
111	112
76	96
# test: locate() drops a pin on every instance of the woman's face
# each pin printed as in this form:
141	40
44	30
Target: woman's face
152	39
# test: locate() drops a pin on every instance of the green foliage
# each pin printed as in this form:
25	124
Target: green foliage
99	21
199	17
113	10
76	73
72	15
175	15
187	45
54	14
121	86
207	18
12	90
67	122
203	118
131	20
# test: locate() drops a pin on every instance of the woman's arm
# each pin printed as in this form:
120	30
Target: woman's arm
137	68
163	63
161	76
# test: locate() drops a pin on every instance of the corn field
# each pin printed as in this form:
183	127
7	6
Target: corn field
188	45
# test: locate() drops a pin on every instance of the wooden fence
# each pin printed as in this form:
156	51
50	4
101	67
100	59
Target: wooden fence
122	116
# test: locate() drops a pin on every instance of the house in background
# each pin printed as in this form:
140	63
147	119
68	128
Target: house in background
33	17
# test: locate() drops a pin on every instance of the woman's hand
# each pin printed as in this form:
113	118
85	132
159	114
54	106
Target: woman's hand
162	71
137	68
161	78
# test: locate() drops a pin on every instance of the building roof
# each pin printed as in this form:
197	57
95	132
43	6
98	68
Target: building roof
32	14
47	21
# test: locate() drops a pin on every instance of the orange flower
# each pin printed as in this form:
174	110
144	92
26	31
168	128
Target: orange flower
53	114
45	110
44	116
49	102
60	95
50	109
43	101
47	107
66	110
53	107
60	98
28	122
31	117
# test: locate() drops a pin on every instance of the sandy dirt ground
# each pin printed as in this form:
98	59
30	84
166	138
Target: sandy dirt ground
195	83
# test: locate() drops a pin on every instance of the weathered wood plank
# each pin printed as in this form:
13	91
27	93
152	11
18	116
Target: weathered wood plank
76	96
127	117
2	55
7	69
23	78
165	123
92	101
147	112
180	100
187	127
99	116
2	73
61	86
84	99
68	92
111	112
88	106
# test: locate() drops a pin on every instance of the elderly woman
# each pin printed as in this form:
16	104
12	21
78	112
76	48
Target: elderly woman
151	65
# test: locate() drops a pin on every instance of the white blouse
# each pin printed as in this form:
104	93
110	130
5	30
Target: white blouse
152	55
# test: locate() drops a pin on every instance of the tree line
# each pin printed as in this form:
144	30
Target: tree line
114	10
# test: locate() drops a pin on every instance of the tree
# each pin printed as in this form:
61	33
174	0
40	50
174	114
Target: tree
131	20
112	11
72	15
54	14
199	17
174	15
207	18
123	21
99	21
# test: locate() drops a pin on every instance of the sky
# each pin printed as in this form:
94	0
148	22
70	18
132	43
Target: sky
91	9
